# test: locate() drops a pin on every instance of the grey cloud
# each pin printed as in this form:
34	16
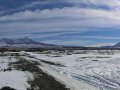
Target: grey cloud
10	7
70	19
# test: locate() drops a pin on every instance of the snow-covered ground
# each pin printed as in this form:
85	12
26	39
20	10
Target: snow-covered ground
9	77
84	70
19	73
78	69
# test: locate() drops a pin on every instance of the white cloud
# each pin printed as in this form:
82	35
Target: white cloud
113	4
68	42
35	35
98	37
60	19
102	44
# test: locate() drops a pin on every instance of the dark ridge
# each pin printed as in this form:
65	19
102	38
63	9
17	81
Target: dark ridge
7	88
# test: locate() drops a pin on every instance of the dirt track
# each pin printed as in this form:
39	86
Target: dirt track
42	81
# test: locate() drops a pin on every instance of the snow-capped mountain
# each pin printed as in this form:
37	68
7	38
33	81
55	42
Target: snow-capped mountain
117	45
23	42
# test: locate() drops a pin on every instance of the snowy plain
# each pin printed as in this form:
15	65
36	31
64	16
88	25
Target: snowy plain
77	69
84	70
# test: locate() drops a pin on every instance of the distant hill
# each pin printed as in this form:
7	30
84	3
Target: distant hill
114	46
117	45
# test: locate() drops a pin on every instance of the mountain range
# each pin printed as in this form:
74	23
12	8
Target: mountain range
28	42
117	45
23	42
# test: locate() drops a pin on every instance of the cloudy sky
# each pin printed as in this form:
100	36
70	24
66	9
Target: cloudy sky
62	22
